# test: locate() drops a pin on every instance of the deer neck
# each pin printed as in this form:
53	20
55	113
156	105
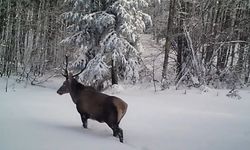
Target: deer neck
74	91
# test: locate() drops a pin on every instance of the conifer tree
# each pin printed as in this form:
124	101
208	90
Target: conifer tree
106	35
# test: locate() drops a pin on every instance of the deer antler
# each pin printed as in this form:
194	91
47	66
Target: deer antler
81	70
66	74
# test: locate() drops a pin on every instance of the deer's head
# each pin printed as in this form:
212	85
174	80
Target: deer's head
70	78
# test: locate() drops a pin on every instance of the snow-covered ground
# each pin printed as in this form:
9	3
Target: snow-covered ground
36	118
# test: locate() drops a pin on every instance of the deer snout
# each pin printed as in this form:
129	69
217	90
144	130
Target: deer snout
59	92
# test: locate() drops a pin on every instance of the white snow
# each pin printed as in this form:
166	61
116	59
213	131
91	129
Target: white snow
36	118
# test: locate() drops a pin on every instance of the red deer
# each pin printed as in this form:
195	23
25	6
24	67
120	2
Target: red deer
92	104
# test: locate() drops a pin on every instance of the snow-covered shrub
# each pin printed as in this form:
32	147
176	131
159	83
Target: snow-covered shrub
234	94
227	78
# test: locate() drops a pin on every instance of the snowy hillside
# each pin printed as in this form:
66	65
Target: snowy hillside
36	118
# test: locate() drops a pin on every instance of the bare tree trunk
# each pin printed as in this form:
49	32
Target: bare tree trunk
114	76
168	42
240	61
248	65
6	41
180	46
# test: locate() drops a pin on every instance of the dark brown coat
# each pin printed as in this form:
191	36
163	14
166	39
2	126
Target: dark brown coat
95	105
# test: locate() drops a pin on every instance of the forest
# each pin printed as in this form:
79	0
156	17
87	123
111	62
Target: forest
205	42
124	74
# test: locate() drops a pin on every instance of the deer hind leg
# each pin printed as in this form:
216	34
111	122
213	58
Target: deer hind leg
117	132
120	135
111	118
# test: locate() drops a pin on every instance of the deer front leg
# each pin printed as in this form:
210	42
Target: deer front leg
84	118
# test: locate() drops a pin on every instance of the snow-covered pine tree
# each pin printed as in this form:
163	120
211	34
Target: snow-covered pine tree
106	35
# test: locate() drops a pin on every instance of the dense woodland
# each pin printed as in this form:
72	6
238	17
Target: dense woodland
205	42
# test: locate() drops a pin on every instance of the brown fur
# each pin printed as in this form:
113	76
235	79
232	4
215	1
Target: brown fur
121	107
95	105
91	102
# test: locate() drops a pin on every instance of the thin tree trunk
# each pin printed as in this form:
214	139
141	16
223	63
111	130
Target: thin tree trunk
168	42
248	65
114	75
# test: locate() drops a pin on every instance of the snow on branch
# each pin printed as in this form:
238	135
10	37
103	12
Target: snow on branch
105	35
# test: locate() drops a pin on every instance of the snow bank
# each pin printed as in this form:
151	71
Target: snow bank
37	118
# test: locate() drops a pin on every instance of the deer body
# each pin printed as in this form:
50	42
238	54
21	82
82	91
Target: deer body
92	104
